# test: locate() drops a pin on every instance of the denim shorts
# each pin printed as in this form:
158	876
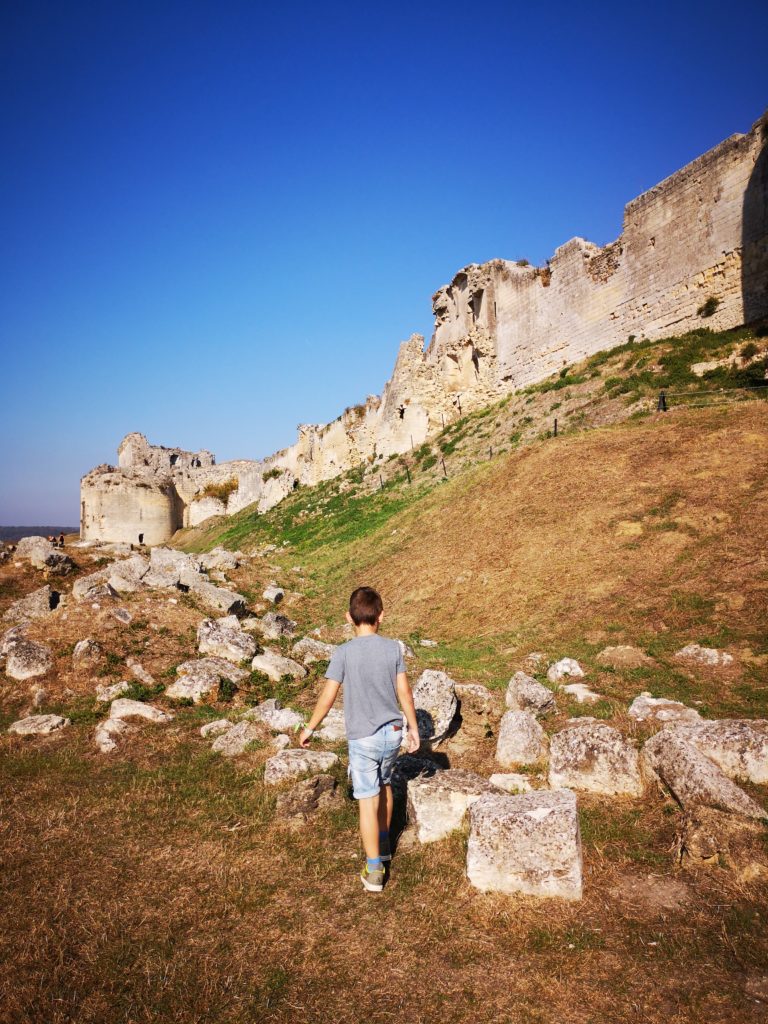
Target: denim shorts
371	759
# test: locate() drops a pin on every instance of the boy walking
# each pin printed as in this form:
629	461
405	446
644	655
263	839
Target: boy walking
372	671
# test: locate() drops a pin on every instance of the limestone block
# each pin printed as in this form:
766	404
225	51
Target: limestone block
216	728
660	711
34	550
592	756
37	605
435	698
521	740
581	692
308	651
200	676
38	725
93	588
28	659
739	747
275	666
438	805
274	625
529	844
139	672
411	766
623	656
333	729
692	778
273	714
234	741
87	652
58	564
525	694
292	764
167	560
225	642
123	707
707	656
511	782
274	594
108	732
476	698
566	668
106	694
217	599
10	636
220	558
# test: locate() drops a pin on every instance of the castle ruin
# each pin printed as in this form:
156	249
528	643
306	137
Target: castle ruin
699	237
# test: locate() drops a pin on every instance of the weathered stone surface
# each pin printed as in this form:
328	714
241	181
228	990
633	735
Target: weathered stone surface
220	558
435	698
10	636
408	767
216	599
427	643
220	668
108	732
28	659
280	741
309	650
623	656
274	625
738	746
592	756
566	668
216	728
521	740
529	844
139	672
275	666
230	621
292	764
37	605
38	725
534	661
122	615
34	550
123	707
511	782
306	798
234	741
87	652
659	710
58	564
274	594
273	714
438	805
173	563
106	694
332	729
525	694
476	698
692	778
706	656
582	693
93	588
225	642
405	649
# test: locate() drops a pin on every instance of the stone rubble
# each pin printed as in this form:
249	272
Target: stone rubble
216	728
273	714
308	651
274	594
525	694
235	740
566	668
706	656
223	641
275	666
623	656
739	747
581	692
511	782
108	732
292	764
87	652
275	625
592	756
521	740
434	695
438	805
660	711
27	659
124	707
38	725
38	605
106	694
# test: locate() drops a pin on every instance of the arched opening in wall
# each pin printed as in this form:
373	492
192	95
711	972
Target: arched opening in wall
174	459
196	463
476	303
141	538
754	265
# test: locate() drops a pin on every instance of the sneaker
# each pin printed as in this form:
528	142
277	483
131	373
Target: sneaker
372	880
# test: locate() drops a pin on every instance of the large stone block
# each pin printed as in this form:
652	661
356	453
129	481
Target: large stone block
521	740
223	641
438	805
27	659
434	695
592	756
528	844
526	694
738	746
292	764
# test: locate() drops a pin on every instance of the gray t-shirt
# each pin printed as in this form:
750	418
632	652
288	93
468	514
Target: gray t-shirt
367	667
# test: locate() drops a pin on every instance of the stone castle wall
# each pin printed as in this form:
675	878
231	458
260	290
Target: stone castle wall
700	234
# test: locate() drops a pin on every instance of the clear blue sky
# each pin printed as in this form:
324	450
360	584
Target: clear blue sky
220	219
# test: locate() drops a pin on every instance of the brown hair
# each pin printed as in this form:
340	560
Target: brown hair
365	606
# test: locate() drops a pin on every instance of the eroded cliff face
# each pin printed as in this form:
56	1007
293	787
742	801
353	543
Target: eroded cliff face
700	236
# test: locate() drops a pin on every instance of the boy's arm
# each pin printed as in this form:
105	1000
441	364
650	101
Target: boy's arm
405	697
323	705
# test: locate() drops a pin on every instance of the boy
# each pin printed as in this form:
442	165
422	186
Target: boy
372	671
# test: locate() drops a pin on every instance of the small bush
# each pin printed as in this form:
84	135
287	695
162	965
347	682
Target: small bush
226	691
220	491
272	474
429	462
748	351
708	307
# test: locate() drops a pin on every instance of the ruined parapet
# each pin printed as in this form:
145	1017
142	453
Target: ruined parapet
136	453
122	506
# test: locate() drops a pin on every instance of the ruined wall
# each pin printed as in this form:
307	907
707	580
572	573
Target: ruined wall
700	234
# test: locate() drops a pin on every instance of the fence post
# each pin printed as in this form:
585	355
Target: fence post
442	417
490	451
662	406
555	426
445	471
407	472
381	481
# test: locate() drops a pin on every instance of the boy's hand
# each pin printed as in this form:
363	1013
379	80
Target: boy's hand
412	741
305	738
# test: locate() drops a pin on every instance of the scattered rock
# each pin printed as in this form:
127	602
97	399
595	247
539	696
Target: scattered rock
582	693
199	677
217	728
173	564
108	732
692	778
225	641
475	698
106	694
37	605
623	656
27	659
39	697
525	694
521	740
659	710
275	666
437	805
281	741
122	615
333	729
93	588
230	622
592	756
274	625
306	799
58	564
86	652
739	747
702	838
534	661
10	636
34	550
274	594
706	656
38	725
529	844
427	643
291	764
235	740
220	558
511	782
435	698
405	650
309	651
216	599
566	668
139	672
408	767
273	714
123	707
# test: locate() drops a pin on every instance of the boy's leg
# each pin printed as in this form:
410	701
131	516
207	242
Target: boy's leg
385	808
369	824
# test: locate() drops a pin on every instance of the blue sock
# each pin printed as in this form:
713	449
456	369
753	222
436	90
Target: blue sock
374	863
